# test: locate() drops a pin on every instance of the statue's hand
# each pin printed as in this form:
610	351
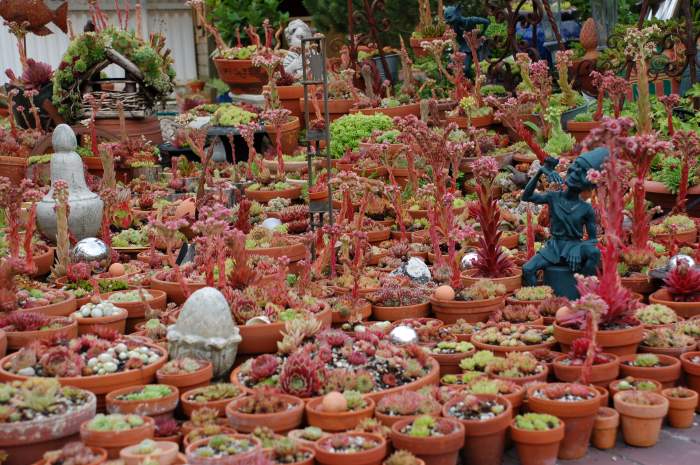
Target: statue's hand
549	168
574	259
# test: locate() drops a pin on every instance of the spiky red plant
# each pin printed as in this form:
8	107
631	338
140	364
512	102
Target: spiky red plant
36	74
166	426
683	283
23	321
301	375
686	145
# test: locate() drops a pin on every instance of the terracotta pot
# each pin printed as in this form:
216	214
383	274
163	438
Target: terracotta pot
264	196
63	308
601	374
667	374
484	440
581	129
336	421
165	454
476	121
537	447
389	420
578	418
3	343
17	339
364	311
318	195
682	309
540	377
605	428
290	134
289	98
433	450
681	410
308	450
294	252
512	283
613	387
297	434
671	351
618	342
172	290
246	457
114	441
43	261
641	424
401	111
474	311
151	408
148	127
222	430
523	303
26	441
336	108
692	371
115	322
604	395
14	168
279	422
189	405
658	194
418	50
240	75
372	456
502	351
100	452
638	283
263	338
187	381
685	237
449	363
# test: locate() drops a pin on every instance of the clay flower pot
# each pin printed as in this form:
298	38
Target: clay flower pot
114	441
667	374
472	311
601	374
165	454
100	452
604	395
540	377
605	428
116	322
681	410
172	291
187	381
263	338
618	342
137	309
512	283
62	308
578	418
641	423
581	129
433	450
237	459
189	405
373	456
279	422
27	441
484	439
613	387
264	196
682	309
537	447
449	363
153	407
336	421
400	111
241	76
675	352
18	339
692	371
380	313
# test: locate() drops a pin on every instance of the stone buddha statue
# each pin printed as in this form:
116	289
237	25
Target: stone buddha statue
295	31
85	213
566	252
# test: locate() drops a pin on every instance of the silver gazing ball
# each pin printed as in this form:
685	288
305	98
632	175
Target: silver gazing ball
676	259
403	335
92	249
271	223
468	260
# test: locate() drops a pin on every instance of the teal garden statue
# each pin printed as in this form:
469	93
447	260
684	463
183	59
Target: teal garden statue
566	252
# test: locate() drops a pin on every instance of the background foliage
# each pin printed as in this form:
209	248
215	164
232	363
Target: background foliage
226	15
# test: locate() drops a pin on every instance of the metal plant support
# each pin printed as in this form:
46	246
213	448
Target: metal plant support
314	74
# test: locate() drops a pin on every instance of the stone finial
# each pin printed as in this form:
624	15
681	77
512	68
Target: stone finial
589	39
63	139
205	330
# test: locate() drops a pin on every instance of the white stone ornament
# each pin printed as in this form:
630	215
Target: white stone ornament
677	259
205	330
271	223
294	33
468	260
85	215
403	335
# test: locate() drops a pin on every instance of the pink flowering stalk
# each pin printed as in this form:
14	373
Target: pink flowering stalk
247	132
473	40
640	151
686	145
640	46
278	118
168	232
269	60
614	87
60	196
491	261
542	82
564	61
11	198
211	226
508	113
530	231
612	185
670	102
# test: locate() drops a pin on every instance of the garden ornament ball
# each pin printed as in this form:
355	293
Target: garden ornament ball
403	335
677	259
92	250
